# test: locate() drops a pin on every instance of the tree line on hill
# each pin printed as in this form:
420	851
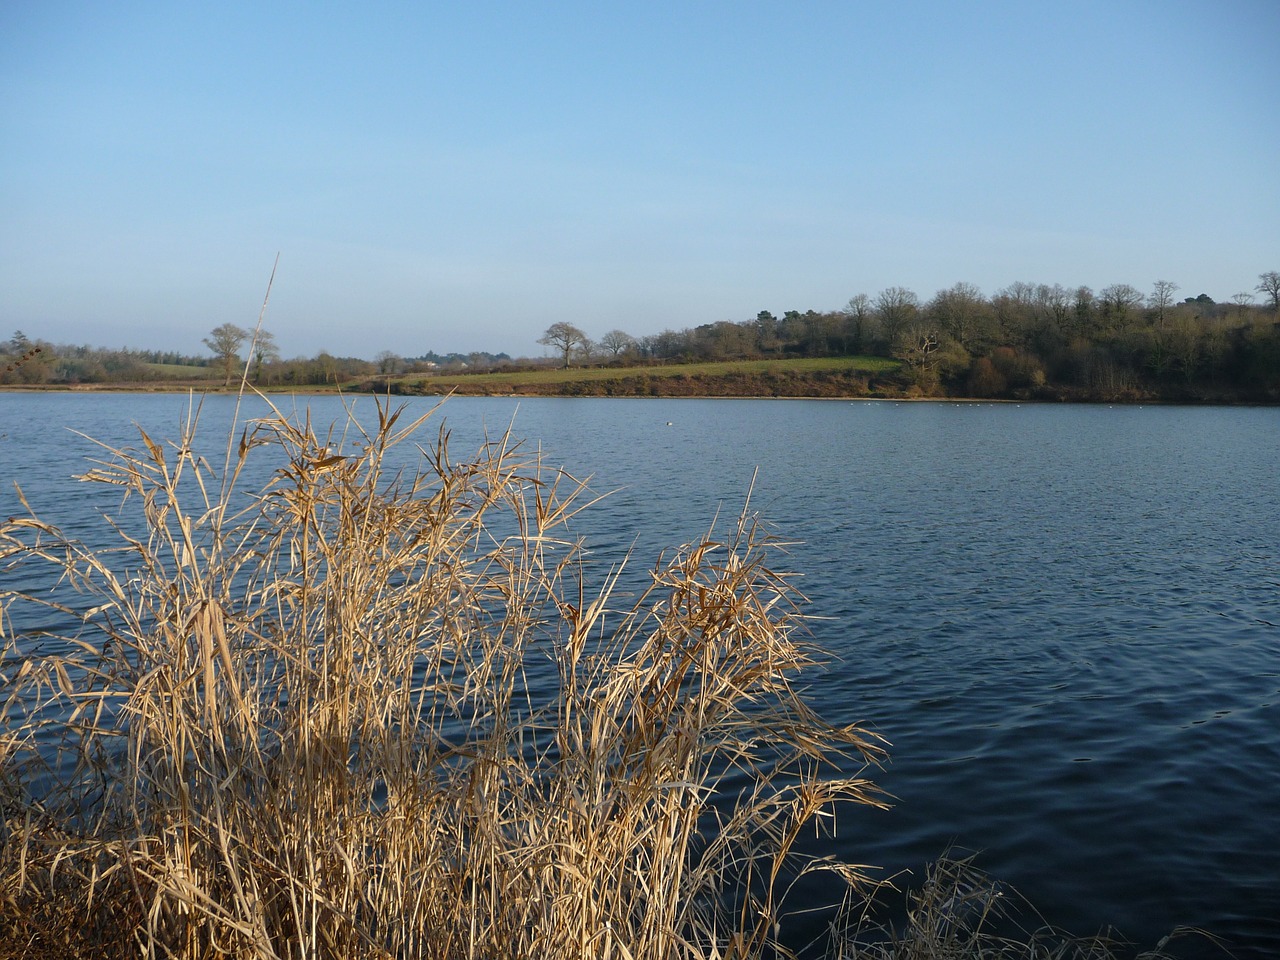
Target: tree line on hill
1025	341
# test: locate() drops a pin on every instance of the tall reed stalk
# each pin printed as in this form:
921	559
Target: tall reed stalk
368	712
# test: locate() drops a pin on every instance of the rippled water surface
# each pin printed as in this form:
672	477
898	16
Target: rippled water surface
1065	619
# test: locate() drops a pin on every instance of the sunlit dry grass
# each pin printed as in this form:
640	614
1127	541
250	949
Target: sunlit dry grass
359	712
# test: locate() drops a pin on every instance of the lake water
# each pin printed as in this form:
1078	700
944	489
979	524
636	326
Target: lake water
1066	619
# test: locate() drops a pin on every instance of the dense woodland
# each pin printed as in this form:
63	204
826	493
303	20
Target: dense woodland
1027	341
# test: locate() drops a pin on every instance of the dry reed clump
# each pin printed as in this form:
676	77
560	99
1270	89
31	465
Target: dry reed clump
959	913
366	711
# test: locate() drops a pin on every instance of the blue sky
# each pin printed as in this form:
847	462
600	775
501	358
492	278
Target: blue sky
459	176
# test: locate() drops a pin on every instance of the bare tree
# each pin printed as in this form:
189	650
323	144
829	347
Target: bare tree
857	322
388	361
1161	300
1117	301
959	310
1270	288
264	348
1053	308
918	346
224	342
895	308
929	354
617	342
1013	311
564	337
1084	309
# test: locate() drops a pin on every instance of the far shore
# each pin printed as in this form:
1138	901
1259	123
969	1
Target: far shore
848	378
358	390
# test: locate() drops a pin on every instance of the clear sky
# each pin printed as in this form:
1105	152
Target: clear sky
458	176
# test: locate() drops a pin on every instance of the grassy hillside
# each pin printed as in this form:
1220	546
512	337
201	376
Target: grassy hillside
807	377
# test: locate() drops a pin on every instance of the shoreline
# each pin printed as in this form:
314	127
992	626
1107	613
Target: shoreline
331	391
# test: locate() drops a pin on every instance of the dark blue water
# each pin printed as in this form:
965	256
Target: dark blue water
1065	619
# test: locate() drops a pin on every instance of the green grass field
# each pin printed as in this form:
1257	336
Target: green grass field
505	382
